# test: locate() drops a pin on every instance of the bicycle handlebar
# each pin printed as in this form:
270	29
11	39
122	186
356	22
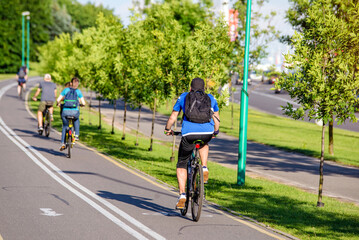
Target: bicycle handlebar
176	133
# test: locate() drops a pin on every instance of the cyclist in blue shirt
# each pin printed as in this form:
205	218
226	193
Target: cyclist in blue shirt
191	132
70	111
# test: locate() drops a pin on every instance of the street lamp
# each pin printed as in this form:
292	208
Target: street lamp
26	13
242	148
28	43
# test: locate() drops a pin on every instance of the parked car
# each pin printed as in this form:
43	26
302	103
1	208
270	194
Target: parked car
254	76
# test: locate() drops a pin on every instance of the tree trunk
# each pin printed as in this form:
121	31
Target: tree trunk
138	123
90	108
113	117
153	123
172	158
124	122
331	136
320	203
99	112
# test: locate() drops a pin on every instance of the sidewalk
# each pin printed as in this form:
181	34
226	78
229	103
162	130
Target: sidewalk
340	181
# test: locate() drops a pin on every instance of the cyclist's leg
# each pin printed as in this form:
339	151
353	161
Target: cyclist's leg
184	153
77	127
24	86
40	111
18	87
65	124
203	153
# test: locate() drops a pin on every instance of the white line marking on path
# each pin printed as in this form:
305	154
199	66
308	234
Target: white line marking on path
49	212
12	136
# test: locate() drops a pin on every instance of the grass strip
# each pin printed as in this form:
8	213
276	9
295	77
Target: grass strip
279	206
288	134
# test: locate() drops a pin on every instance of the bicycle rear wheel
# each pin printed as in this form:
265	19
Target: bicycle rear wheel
198	191
69	144
47	125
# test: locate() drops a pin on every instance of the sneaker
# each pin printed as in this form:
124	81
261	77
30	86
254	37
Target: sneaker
205	174
63	147
181	201
40	128
77	138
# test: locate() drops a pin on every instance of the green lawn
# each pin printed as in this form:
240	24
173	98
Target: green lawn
7	76
279	206
290	135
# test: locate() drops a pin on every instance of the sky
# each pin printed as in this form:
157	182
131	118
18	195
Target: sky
275	49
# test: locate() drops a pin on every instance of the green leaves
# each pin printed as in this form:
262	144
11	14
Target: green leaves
325	61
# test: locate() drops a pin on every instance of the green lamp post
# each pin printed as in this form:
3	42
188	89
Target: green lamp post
242	148
28	43
23	14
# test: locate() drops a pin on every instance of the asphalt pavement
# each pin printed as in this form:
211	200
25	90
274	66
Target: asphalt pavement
340	181
45	195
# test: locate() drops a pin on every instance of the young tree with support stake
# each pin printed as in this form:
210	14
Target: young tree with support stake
326	80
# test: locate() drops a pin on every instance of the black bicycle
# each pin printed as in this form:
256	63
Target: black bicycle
46	121
195	183
70	135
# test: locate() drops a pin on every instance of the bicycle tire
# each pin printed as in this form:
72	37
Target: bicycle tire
198	191
185	209
69	145
47	124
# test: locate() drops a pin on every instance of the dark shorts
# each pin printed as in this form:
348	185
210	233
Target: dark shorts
43	104
187	145
21	81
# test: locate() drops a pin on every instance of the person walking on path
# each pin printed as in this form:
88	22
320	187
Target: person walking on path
48	97
197	125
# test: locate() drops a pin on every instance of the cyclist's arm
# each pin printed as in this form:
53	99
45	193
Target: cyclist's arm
216	122
59	99
55	92
82	101
171	120
36	94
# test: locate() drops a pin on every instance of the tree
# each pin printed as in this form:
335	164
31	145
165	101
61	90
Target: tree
326	81
62	21
296	16
10	30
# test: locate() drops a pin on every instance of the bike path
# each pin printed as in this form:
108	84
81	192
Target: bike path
294	169
45	195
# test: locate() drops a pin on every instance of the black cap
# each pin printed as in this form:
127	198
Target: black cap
197	84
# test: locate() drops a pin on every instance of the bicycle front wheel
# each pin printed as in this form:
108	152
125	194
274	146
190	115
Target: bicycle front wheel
198	192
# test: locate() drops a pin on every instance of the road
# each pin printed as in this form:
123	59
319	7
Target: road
45	195
264	99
